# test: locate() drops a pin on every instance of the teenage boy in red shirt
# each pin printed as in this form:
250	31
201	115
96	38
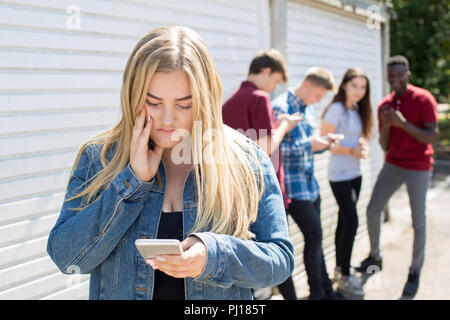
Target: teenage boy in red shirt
249	111
408	129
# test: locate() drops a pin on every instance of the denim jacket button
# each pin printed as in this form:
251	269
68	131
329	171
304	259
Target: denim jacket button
126	183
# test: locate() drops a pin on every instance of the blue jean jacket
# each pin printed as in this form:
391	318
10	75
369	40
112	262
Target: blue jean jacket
100	239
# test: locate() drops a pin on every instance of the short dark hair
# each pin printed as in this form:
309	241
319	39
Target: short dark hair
398	60
270	58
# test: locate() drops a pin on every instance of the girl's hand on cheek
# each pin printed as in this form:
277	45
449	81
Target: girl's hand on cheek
143	161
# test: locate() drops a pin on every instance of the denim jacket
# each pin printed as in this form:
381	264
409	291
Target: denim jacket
100	239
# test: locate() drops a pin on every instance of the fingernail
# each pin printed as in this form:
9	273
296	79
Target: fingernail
151	263
160	259
148	118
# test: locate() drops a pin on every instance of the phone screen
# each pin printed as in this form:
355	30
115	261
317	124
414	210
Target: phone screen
149	248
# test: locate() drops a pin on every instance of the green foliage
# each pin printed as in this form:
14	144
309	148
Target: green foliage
444	131
421	33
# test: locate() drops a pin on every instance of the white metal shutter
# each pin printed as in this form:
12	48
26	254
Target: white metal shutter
317	37
60	80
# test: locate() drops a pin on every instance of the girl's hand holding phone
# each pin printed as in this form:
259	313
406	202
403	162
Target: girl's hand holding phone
189	264
362	150
143	161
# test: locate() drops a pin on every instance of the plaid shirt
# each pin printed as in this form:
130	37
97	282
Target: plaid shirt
296	149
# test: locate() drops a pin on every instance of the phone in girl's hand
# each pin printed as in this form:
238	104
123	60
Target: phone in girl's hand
151	248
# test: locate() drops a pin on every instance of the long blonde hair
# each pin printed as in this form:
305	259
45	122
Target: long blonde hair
228	188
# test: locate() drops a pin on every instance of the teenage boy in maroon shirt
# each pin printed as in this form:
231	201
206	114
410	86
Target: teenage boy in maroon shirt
408	129
249	111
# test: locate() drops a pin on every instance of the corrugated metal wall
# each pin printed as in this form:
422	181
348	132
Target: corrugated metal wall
323	38
61	64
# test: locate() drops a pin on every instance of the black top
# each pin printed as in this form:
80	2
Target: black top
167	287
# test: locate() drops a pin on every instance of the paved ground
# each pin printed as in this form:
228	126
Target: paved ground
397	237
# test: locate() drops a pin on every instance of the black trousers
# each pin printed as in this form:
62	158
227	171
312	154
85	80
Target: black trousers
346	194
306	215
287	288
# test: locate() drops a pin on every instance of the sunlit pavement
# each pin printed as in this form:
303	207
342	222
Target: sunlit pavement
397	240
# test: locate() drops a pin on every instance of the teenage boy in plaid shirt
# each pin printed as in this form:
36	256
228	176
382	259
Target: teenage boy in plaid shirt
297	150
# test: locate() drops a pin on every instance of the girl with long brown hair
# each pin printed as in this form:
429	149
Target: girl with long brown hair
349	114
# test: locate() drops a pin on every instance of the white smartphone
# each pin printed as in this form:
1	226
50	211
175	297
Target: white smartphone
151	248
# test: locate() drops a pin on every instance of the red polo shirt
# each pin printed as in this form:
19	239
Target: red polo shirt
249	108
418	106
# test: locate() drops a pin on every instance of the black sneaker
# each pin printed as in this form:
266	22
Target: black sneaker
411	286
370	265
